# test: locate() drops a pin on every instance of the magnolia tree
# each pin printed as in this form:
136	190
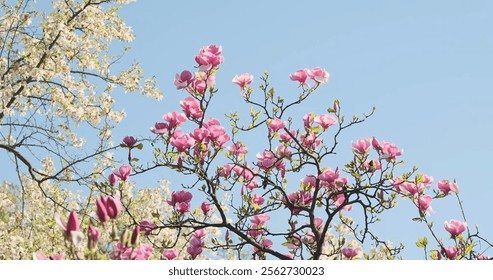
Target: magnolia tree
281	201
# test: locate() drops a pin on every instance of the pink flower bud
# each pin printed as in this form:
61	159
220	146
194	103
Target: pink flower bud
206	207
129	141
135	236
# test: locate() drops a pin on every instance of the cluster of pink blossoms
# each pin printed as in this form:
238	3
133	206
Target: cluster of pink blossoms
208	59
196	243
317	74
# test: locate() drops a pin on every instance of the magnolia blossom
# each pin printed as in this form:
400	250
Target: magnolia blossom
129	141
325	121
446	186
209	57
71	228
181	141
39	256
362	145
147	226
452	253
319	75
205	207
309	181
257	200
191	107
275	125
286	137
455	227
174	119
169	254
243	80
300	76
123	173
184	79
350	252
423	202
181	201
108	207
142	252
260	219
237	149
160	128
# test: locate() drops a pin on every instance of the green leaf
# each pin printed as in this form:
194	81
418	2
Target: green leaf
140	146
135	159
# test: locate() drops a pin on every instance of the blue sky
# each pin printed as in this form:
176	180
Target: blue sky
425	65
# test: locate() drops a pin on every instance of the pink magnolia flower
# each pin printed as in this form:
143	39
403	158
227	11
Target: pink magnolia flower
180	196
451	253
108	207
184	79
260	219
310	140
174	119
299	198
339	200
113	206
199	233
300	76
482	257
209	57
325	121
362	145
218	134
319	75
285	137
181	141
329	176
169	254
129	141
205	207
243	80
201	135
309	181
134	240
113	179
147	226
123	172
318	222
224	171
446	186
142	252
195	247
455	227
39	256
238	149
255	231
92	234
191	107
424	202
275	125
258	200
71	228
160	128
308	120
182	207
386	150
266	160
427	179
350	252
283	151
266	244
244	172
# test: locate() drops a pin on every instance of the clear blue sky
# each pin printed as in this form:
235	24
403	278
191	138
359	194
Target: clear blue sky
425	65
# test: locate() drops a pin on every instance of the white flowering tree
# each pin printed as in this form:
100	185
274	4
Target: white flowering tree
57	80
